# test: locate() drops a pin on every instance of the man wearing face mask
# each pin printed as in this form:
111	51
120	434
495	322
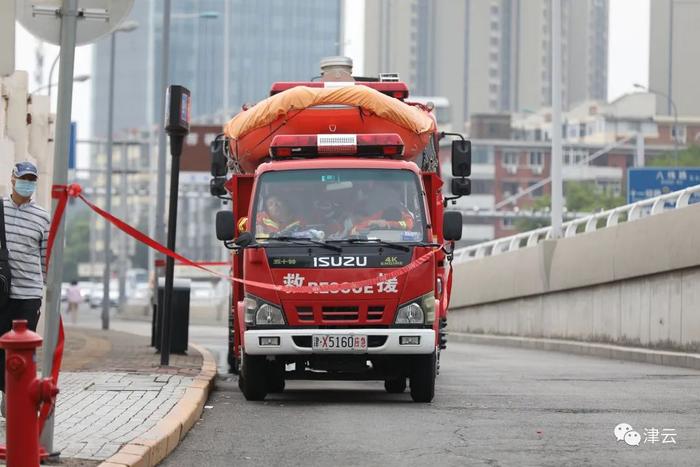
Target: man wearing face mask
27	231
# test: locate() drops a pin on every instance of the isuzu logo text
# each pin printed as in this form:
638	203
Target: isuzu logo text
340	261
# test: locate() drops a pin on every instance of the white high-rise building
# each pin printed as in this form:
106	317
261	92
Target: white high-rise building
488	56
674	48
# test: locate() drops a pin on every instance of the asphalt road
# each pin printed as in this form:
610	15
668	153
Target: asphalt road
493	406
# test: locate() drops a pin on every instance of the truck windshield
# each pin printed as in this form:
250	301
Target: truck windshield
339	204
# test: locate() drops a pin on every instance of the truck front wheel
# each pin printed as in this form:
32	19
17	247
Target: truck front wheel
423	371
253	378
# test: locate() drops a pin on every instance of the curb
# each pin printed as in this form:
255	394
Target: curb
616	352
153	446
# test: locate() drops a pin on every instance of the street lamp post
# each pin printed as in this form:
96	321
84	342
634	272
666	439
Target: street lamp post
225	62
556	152
674	130
126	26
76	79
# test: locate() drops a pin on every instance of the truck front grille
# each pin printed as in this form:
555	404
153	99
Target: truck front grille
305	313
340	313
335	314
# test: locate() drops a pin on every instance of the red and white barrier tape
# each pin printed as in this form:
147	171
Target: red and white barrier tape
63	192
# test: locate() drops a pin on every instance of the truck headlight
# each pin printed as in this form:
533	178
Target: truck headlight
261	313
419	311
410	314
268	315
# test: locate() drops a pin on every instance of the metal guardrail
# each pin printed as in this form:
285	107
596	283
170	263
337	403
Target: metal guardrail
589	223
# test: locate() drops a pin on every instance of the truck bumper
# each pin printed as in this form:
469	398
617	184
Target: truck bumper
298	341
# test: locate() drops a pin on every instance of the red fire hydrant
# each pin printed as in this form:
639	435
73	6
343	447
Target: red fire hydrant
24	394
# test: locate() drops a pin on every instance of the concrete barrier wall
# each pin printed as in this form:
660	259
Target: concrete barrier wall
637	282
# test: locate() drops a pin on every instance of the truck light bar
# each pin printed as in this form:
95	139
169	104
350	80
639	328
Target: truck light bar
396	89
377	145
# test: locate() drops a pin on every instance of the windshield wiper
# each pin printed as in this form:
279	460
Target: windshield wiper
377	241
301	240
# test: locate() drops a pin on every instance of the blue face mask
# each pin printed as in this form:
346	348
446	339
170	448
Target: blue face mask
25	188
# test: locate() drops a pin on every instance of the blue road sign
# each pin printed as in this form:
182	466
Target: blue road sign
647	182
71	147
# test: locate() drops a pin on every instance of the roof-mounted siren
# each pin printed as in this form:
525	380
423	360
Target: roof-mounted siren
336	68
388	145
389	78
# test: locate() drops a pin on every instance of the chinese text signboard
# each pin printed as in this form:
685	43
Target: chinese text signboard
648	182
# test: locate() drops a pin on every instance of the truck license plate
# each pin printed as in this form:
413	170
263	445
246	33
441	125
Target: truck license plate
333	343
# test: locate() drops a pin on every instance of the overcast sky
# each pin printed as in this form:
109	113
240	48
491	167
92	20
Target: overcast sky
628	59
628	46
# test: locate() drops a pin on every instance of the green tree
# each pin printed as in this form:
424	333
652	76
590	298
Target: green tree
541	204
589	197
689	157
77	249
579	197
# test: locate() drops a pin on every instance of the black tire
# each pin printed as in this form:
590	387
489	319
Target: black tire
395	386
252	380
423	371
275	377
233	363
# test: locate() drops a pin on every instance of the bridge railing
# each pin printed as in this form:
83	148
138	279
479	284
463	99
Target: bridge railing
590	223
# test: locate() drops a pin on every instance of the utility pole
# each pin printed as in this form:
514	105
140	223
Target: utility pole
557	183
165	58
107	273
639	150
177	124
126	26
69	23
124	254
226	58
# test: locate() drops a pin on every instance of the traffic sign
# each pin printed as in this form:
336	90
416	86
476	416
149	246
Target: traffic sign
648	182
95	18
73	141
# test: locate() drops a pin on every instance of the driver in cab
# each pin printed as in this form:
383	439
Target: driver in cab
389	212
276	218
391	218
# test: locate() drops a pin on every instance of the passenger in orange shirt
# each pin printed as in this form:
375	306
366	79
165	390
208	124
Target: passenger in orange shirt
276	218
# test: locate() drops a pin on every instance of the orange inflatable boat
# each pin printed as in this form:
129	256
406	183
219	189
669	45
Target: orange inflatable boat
340	110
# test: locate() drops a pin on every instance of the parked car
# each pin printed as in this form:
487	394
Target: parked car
86	289
98	293
139	294
202	293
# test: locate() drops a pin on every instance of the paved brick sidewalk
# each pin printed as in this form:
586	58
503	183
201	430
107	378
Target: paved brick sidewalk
113	391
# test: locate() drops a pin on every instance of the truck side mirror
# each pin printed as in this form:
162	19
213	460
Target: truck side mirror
217	186
219	161
461	158
225	226
461	186
452	225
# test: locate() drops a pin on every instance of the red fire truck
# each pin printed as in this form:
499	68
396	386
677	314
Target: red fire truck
341	245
